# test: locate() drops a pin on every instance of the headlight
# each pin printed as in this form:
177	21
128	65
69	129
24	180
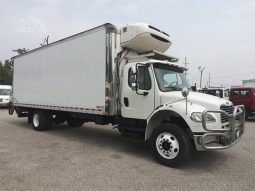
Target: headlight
197	117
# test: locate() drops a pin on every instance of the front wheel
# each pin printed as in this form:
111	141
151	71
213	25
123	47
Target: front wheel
170	145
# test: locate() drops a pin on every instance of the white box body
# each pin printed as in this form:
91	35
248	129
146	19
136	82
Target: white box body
69	73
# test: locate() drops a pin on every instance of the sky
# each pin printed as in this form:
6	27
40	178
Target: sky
218	35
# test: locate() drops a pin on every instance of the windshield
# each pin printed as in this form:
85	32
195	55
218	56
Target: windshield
5	92
170	78
226	92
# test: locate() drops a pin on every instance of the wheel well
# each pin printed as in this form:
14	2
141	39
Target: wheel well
165	116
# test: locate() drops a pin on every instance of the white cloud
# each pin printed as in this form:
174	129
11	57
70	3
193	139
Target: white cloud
31	25
242	7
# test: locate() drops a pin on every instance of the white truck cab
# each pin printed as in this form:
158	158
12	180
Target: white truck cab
5	93
219	92
121	76
158	92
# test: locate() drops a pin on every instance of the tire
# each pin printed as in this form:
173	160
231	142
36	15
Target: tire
41	120
246	117
170	145
59	119
73	122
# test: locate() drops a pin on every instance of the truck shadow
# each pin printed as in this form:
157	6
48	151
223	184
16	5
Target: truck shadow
106	137
102	137
206	161
251	119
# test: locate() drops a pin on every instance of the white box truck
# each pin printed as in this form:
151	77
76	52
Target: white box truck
5	93
121	76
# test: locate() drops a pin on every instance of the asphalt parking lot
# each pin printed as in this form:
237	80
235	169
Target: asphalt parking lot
98	158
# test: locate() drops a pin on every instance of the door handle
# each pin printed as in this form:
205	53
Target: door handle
126	102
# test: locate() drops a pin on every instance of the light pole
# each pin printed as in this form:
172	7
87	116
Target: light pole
201	74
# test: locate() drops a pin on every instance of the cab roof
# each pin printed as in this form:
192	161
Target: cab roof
167	63
153	56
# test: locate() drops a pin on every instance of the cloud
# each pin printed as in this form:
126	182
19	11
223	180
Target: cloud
242	7
31	25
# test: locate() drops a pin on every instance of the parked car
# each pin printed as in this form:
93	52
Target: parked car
244	96
219	92
5	92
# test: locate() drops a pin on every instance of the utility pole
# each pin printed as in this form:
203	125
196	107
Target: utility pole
201	74
209	79
186	64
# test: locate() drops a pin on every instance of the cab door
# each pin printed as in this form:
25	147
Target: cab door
137	102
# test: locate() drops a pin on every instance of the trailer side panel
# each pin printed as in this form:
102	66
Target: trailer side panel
70	73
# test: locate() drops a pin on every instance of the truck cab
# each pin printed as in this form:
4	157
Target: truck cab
5	94
219	92
157	91
244	96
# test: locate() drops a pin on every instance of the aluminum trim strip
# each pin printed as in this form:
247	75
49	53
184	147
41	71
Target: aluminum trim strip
62	108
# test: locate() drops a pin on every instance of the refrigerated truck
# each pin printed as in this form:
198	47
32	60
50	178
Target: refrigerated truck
122	76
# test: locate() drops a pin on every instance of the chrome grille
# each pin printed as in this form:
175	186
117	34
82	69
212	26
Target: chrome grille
227	109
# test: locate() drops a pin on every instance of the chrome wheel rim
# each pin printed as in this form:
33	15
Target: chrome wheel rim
167	145
36	120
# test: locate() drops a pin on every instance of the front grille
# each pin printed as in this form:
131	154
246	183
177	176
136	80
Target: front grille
227	109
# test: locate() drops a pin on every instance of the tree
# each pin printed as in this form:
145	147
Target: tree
1	73
6	72
45	42
21	50
8	68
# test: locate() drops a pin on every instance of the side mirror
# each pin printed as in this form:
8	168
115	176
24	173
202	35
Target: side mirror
133	68
217	93
185	92
134	80
133	84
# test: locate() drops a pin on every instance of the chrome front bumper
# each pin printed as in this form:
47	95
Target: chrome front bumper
215	139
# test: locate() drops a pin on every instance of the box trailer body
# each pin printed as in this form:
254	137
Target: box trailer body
121	76
67	75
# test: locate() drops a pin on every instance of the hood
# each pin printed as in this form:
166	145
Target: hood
207	101
4	97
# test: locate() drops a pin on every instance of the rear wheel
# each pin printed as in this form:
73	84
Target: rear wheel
73	122
41	120
59	119
170	145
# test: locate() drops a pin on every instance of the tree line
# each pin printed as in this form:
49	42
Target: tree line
6	68
6	72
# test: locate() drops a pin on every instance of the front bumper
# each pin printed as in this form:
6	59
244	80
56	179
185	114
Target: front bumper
4	104
215	139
